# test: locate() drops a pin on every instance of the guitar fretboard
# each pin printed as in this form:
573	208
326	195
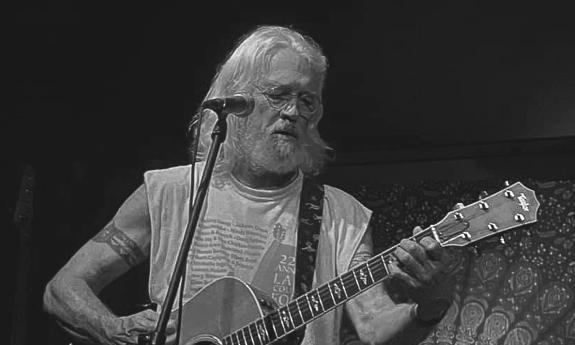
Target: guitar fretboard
315	303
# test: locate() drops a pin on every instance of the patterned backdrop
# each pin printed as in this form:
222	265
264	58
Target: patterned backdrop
520	292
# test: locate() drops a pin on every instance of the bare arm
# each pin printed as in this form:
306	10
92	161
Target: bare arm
379	318
71	296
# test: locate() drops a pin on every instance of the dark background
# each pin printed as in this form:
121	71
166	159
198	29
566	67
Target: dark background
418	90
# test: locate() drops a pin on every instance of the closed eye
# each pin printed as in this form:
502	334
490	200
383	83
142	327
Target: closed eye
278	93
307	100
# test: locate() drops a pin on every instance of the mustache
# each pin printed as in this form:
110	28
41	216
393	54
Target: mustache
285	128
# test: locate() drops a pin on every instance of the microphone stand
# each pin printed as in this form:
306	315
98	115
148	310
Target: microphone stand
218	137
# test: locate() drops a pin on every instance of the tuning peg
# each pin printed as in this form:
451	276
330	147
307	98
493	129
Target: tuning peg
466	236
458	216
509	194
501	240
506	183
483	194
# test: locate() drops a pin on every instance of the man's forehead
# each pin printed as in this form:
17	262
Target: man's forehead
289	68
288	59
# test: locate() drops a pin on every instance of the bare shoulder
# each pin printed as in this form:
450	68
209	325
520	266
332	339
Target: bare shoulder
128	233
342	206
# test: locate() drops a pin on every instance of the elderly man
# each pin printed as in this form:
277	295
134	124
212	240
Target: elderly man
249	224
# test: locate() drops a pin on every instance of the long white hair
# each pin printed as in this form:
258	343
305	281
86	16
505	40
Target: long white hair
242	70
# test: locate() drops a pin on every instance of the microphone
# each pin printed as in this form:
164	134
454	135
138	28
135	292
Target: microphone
240	105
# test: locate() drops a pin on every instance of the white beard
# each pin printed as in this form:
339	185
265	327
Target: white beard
276	153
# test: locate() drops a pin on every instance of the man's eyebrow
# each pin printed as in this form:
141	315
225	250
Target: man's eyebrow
287	87
271	84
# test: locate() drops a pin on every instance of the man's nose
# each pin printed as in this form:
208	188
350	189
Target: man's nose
290	110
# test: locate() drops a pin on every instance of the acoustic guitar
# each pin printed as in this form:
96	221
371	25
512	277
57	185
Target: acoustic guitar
230	312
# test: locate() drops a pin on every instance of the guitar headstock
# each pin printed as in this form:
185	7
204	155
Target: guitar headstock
511	207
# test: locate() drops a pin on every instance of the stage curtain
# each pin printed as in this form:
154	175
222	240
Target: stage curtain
518	292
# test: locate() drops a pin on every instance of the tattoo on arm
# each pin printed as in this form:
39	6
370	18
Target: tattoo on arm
360	256
365	250
125	247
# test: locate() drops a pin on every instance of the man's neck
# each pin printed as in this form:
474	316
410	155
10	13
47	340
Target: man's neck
261	179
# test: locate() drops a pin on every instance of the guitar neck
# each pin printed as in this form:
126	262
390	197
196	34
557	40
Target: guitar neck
317	302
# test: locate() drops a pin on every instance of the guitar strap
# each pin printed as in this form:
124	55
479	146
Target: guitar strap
310	218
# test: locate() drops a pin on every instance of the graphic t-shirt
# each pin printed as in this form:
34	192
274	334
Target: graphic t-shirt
247	233
250	234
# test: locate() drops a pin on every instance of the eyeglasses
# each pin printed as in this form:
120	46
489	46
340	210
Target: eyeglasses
280	97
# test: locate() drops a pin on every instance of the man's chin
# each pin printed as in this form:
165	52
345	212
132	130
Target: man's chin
286	147
279	156
284	162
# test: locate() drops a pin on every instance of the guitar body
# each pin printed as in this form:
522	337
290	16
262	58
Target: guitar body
223	306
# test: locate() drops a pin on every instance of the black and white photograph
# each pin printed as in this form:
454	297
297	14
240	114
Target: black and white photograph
314	173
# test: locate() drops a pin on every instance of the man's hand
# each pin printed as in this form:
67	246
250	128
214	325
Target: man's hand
126	329
420	275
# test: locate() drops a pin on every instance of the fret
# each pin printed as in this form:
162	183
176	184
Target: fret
338	290
350	283
369	271
270	327
254	329
377	269
243	336
297	318
247	337
384	264
309	306
361	277
228	340
306	312
264	332
343	286
235	339
286	319
326	297
277	323
331	293
315	301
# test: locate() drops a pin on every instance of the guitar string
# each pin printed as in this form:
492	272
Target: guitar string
346	278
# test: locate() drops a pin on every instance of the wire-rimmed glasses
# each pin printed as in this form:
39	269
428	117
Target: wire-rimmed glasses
280	97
